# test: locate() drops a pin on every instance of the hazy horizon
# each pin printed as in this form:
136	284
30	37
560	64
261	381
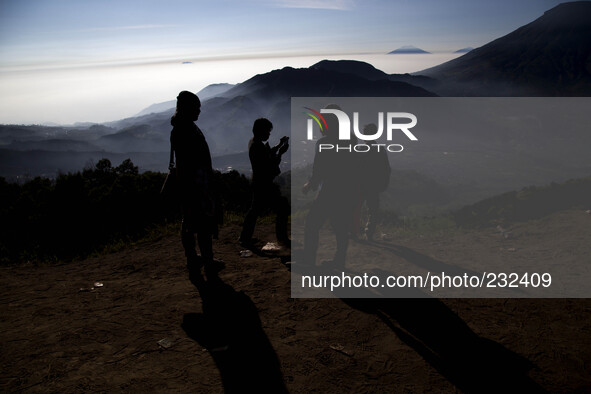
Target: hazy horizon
118	98
75	61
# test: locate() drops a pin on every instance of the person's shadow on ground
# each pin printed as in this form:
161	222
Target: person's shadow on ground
230	329
472	363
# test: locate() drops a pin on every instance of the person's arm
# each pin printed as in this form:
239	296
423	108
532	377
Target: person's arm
274	149
281	147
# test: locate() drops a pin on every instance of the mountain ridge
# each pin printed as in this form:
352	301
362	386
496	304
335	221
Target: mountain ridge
550	56
206	93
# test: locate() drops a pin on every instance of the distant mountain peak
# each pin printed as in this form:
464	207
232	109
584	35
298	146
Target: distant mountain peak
464	50
206	93
407	49
547	57
356	67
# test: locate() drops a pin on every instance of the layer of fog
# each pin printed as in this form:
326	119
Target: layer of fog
107	93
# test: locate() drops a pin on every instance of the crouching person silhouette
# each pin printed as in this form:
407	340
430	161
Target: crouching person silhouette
195	184
265	193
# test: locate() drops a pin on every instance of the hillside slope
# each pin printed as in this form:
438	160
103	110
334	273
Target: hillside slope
550	56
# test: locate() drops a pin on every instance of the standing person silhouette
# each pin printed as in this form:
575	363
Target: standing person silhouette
195	182
336	175
265	193
374	180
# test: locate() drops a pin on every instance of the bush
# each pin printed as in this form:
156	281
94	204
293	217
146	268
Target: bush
82	212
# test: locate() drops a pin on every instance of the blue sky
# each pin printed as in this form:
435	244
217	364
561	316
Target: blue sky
50	47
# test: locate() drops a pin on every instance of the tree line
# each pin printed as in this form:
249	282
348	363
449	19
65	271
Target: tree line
78	213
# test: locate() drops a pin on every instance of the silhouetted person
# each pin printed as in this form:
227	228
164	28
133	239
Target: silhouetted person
195	181
374	180
334	172
265	193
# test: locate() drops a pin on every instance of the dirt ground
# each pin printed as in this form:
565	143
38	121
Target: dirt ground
146	327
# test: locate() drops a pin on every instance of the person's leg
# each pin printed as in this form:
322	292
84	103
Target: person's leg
188	241
314	221
250	219
355	224
204	239
205	246
281	207
194	263
373	205
341	216
340	223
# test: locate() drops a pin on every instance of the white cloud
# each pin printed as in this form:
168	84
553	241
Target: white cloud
342	5
132	27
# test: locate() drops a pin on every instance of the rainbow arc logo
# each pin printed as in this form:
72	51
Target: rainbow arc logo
318	118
